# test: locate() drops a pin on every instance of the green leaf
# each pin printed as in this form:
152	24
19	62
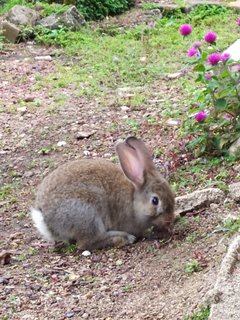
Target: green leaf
225	74
199	68
220	104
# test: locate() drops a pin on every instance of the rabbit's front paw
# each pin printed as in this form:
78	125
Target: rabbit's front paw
131	238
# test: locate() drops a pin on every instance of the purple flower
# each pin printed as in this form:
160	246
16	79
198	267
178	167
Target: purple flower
200	116
208	76
196	44
192	52
210	37
239	68
225	56
185	29
238	22
214	58
151	24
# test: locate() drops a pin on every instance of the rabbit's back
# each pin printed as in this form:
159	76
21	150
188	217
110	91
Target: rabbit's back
83	183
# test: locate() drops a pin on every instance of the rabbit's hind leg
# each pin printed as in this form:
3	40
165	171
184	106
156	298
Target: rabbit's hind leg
111	239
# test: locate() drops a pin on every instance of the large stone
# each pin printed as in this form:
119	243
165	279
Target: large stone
70	19
20	15
234	150
235	5
198	199
10	31
234	191
224	297
234	49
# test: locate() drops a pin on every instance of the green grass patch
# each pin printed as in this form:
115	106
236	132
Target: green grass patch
103	62
199	173
202	314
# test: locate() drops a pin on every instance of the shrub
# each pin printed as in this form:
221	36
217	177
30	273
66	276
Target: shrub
215	123
98	9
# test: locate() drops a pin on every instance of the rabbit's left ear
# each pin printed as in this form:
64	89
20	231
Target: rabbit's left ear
131	164
142	151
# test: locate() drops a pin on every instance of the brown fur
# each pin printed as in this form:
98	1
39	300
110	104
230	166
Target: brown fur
94	203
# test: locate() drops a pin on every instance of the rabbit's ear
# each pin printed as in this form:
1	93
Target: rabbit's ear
130	163
143	153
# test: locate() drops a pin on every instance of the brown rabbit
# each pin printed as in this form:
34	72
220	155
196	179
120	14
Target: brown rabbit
93	203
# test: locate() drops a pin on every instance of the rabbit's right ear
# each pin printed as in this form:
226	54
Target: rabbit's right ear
130	163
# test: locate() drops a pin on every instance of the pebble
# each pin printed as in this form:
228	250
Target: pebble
86	253
3	280
69	314
61	143
22	110
45	58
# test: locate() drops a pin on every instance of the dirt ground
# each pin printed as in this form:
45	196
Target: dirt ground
147	280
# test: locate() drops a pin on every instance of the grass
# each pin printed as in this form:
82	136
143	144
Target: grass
192	266
229	226
202	314
120	63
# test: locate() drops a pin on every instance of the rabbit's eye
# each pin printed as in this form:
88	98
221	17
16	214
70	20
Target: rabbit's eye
155	201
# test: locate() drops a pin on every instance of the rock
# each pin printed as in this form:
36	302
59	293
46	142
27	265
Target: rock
143	59
234	150
61	143
198	199
84	134
69	314
10	31
71	19
234	191
234	49
235	5
21	15
173	76
172	122
86	253
22	110
45	58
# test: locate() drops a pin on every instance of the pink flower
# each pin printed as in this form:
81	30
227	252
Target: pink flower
200	116
192	52
225	56
196	44
210	37
238	22
151	24
185	29
208	76
214	58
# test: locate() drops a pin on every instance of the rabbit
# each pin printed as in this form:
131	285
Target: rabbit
96	204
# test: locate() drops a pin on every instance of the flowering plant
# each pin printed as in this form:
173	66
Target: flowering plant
215	123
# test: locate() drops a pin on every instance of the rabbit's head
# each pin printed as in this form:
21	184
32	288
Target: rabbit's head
153	198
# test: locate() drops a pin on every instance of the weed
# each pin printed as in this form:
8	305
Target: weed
149	6
21	257
133	124
70	248
32	251
46	150
11	3
157	152
192	237
231	226
5	191
182	224
128	288
21	215
192	266
202	314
